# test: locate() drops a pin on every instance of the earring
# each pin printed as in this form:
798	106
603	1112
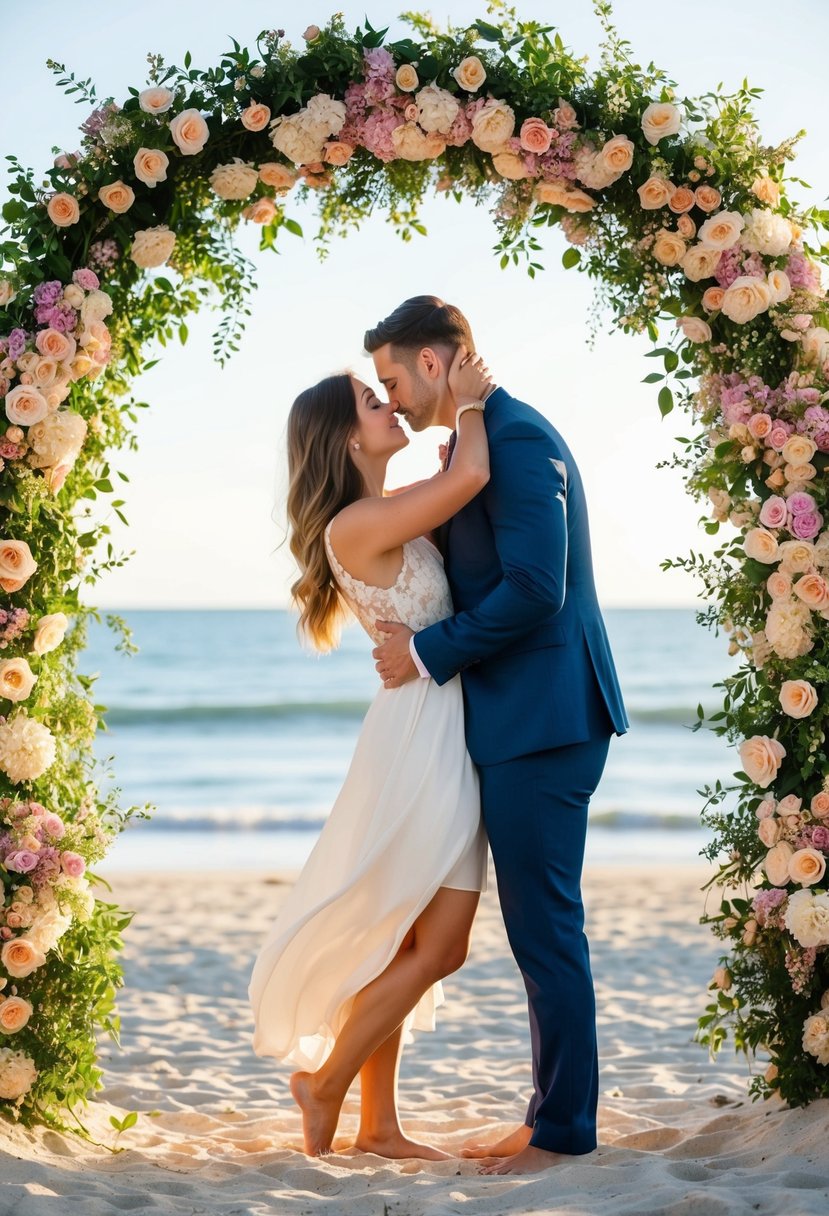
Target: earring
356	447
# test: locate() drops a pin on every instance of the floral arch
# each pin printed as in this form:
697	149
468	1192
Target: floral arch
678	212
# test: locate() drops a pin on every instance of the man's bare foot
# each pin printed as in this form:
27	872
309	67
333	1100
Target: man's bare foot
508	1146
397	1146
319	1114
530	1160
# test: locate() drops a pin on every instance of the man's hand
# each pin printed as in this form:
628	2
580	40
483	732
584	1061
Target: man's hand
393	658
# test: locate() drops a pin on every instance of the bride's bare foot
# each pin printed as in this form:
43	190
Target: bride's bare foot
508	1146
320	1114
396	1146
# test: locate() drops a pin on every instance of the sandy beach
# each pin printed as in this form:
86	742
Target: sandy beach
217	1132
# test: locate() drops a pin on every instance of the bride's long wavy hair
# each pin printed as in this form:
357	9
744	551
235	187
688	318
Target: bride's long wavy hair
322	479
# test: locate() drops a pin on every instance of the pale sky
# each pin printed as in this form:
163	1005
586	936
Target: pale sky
209	476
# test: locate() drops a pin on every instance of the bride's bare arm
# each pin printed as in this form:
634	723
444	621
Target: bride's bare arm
383	524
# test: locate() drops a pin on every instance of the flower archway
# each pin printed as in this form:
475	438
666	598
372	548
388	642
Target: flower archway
677	211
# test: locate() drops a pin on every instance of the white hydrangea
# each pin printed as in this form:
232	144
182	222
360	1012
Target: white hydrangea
766	232
789	629
17	1074
27	747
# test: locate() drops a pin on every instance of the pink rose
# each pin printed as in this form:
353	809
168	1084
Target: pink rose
806	525
778	436
766	808
800	502
774	511
759	425
535	136
72	864
53	824
23	860
790	805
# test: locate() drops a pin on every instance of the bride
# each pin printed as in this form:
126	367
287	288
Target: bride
383	908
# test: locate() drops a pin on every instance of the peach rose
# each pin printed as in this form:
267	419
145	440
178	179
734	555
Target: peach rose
117	196
668	248
686	227
745	299
14	1014
20	958
7	293
708	199
712	299
256	116
819	806
262	211
535	136
721	979
151	166
807	866
813	590
617	154
189	132
761	757
776	864
44	373
799	473
681	200
659	120
766	189
279	176
155	100
559	194
26	405
337	153
50	632
695	329
721	231
63	210
509	165
410	143
700	262
760	545
312	33
798	698
16	679
769	831
492	126
470	74
798	449
779	585
656	192
406	78
55	345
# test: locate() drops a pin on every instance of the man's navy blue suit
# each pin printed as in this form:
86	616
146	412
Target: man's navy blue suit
542	701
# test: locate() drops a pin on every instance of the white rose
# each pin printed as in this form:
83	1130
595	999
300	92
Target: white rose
410	143
694	329
437	109
155	100
745	299
659	120
797	556
58	439
50	632
234	180
721	231
189	132
807	918
470	73
807	866
816	1037
700	262
776	864
16	679
152	246
766	232
815	345
406	78
761	757
493	125
17	1074
26	405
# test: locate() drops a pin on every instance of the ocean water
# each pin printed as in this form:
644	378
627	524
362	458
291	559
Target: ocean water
241	739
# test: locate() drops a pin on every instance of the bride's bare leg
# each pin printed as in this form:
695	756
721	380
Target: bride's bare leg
380	1131
441	941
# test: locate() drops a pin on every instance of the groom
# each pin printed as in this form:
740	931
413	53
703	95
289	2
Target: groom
542	701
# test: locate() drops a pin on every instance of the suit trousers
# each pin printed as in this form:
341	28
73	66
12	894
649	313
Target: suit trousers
535	812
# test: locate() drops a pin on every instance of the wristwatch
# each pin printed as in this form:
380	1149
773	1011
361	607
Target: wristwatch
479	406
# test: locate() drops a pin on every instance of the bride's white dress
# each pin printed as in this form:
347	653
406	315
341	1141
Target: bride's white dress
406	822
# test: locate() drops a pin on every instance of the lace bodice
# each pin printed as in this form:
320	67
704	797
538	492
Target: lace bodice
418	597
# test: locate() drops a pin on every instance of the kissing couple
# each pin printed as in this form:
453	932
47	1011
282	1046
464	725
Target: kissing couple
499	698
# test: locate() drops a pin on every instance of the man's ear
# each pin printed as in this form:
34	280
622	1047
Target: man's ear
430	363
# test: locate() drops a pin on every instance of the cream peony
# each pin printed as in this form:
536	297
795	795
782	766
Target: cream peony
745	299
659	120
299	138
189	132
50	632
761	757
816	1037
14	1014
807	866
776	864
410	143
807	918
234	180
493	125
26	405
668	248
152	246
56	440
437	109
27	747
798	698
96	306
16	679
117	196
721	231
280	177
406	78
16	563
150	165
656	192
470	73
327	113
561	194
63	210
156	100
766	232
17	1074
700	262
20	958
592	170
694	328
789	629
256	116
761	545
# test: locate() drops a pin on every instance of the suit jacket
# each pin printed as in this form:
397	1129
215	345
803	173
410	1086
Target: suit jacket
527	635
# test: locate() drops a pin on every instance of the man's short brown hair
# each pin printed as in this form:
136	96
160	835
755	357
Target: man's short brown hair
421	321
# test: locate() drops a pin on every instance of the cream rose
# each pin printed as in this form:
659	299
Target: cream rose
26	405
470	74
769	832
807	867
156	100
493	125
779	285
798	449
234	180
16	679
700	262
410	143
406	78
50	632
17	1074
437	109
117	196
814	344
617	154
695	329
760	545
816	1037
63	210
779	585
659	120
20	958
152	246
656	192
280	177
189	131
14	1014
766	190
509	165
776	864
798	698
16	564
745	299
560	194
797	556
256	116
668	248
707	198
721	231
761	757
807	918
151	166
